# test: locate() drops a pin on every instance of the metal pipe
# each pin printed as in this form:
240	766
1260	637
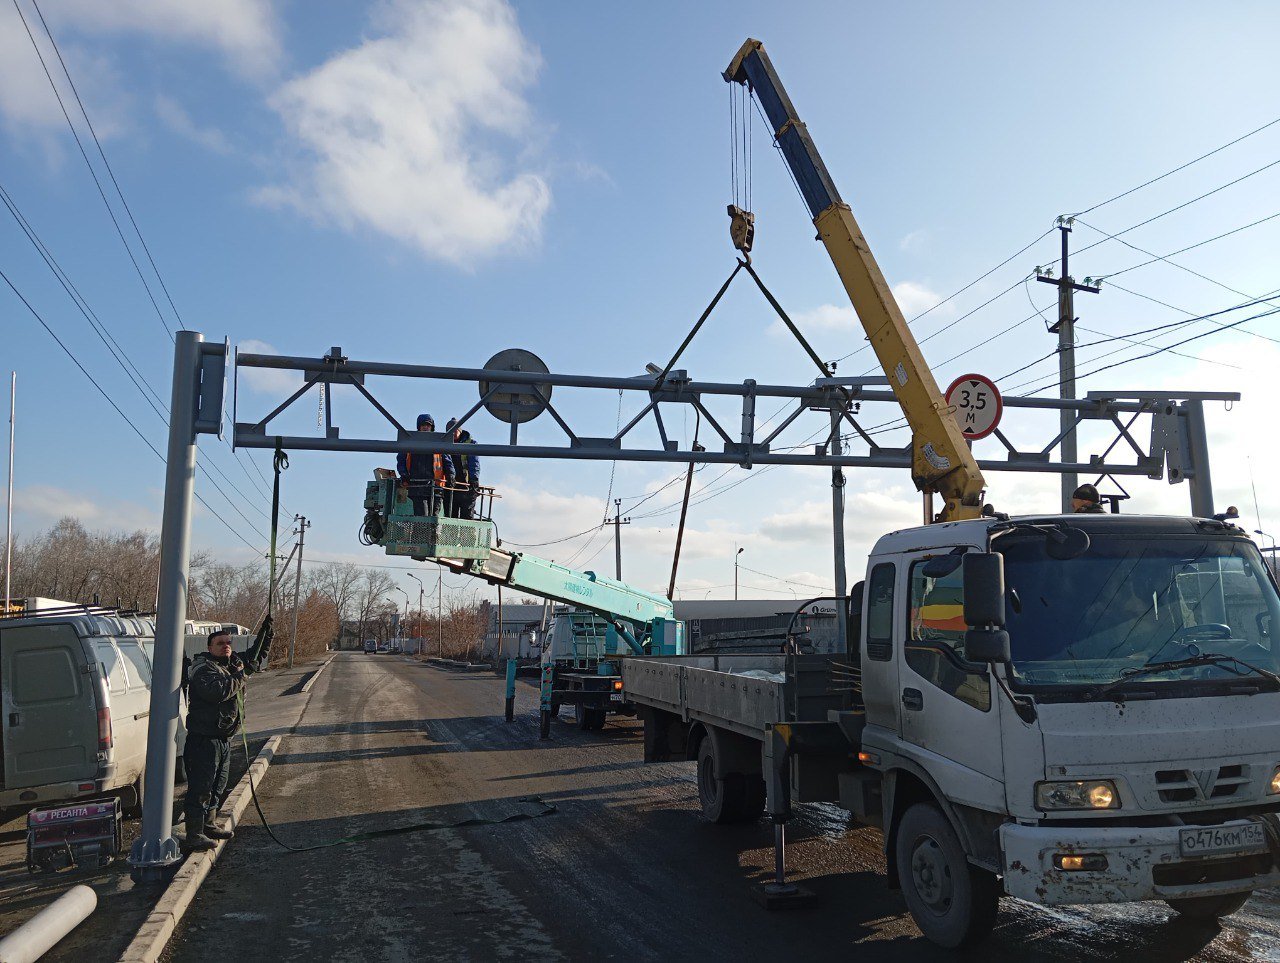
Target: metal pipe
42	932
156	850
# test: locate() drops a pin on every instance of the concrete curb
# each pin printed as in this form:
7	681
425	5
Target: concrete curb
306	686
153	935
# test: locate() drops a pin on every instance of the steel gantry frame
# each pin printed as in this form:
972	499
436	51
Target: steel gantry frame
1177	449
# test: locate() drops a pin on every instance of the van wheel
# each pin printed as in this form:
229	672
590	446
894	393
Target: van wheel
1209	909
953	903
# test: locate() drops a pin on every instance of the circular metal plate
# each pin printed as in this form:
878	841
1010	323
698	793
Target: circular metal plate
516	402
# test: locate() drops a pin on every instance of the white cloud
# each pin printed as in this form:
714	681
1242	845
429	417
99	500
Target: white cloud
912	298
915	241
267	380
176	118
245	31
399	132
44	504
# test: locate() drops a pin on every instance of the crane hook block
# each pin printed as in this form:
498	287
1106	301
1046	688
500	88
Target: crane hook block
742	228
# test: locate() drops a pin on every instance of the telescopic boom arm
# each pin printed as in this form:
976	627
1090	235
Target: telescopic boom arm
941	460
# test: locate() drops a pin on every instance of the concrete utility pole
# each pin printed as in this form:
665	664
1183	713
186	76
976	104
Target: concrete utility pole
618	521
1066	330
301	532
195	408
735	571
421	590
8	534
837	533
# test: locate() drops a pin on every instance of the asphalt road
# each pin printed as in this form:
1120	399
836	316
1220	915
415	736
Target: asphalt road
625	869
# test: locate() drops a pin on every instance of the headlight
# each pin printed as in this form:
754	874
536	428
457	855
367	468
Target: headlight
1090	794
1275	782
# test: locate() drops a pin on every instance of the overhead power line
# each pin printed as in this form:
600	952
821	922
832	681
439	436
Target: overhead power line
111	401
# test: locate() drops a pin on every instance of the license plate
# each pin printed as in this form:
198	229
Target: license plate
615	696
1215	840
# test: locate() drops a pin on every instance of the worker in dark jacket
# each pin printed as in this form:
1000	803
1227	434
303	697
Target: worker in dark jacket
425	474
1086	501
466	473
215	690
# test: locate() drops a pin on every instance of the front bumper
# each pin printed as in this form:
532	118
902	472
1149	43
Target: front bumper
1142	864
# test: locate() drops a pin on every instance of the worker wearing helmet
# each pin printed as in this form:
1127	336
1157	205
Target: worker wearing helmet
1086	501
466	473
424	474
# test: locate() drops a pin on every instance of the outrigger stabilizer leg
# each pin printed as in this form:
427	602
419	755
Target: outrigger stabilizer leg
778	893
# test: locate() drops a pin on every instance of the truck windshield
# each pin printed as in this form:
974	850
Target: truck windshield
1131	602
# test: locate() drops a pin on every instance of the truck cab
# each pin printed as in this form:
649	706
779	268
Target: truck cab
1129	744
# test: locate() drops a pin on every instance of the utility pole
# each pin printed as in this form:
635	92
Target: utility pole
8	535
618	521
1066	331
421	590
735	570
301	532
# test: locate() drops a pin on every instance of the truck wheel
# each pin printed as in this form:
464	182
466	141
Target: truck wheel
1208	909
720	795
582	716
953	903
596	718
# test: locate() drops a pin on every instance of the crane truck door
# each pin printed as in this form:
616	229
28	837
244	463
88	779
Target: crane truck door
946	702
879	664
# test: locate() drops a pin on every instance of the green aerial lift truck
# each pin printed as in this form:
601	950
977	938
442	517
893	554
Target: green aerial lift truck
611	618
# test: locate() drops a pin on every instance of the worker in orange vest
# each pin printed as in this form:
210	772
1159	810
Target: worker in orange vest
425	474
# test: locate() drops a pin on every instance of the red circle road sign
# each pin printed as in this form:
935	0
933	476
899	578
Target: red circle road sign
976	401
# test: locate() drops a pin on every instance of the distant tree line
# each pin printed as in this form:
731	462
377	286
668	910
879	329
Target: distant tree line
338	600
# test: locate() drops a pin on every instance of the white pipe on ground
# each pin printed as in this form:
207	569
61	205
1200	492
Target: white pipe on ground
37	936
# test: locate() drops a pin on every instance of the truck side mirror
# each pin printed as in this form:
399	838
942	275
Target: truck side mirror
986	640
853	621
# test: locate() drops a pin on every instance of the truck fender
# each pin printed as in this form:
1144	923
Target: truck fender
905	785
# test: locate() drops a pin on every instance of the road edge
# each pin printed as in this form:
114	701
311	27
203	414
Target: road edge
154	933
306	686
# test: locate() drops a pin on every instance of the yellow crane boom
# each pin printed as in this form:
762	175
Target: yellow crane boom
941	462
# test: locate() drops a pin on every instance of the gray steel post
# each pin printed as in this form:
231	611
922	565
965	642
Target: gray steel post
303	525
156	850
8	534
617	538
1199	479
837	533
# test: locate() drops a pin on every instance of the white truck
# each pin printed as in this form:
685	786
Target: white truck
1066	709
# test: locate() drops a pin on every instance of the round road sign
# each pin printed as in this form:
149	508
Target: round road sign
976	402
512	401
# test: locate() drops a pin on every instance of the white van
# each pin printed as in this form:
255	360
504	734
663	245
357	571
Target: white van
75	694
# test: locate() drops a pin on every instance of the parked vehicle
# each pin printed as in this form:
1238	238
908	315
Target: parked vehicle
370	645
1113	736
76	697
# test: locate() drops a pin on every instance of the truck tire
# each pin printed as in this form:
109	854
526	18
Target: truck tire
1209	909
721	795
582	716
953	903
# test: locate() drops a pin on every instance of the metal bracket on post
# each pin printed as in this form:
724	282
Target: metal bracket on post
199	383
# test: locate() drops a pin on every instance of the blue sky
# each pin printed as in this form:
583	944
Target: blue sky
435	180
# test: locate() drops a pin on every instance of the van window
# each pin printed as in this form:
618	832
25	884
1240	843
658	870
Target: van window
112	666
43	675
879	604
139	664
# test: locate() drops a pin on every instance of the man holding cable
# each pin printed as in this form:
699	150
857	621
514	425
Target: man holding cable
215	697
